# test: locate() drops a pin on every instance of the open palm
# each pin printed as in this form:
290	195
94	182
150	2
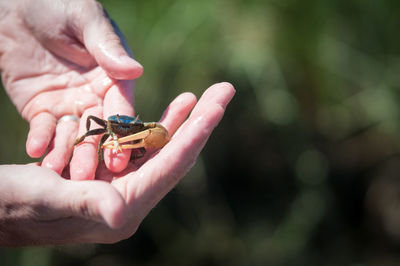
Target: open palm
63	63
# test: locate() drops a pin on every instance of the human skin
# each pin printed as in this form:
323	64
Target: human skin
38	206
56	61
62	57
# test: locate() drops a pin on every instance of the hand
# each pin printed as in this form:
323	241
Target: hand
60	57
35	202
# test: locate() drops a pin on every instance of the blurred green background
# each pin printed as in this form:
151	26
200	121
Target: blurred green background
304	169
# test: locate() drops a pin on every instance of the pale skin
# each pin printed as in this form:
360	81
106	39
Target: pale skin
46	205
63	57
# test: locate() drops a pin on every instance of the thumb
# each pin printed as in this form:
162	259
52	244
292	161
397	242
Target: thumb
93	200
46	195
107	45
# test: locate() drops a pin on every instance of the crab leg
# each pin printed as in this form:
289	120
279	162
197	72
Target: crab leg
92	132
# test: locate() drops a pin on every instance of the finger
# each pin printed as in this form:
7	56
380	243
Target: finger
52	30
177	112
179	155
84	160
218	95
41	130
63	144
68	48
172	118
118	100
106	43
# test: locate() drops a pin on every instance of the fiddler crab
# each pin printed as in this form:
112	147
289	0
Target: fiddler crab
127	132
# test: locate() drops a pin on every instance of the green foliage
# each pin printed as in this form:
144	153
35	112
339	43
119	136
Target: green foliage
302	170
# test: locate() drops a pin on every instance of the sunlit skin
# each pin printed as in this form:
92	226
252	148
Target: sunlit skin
107	212
56	61
61	57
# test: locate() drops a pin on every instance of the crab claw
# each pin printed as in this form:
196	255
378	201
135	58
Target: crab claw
155	137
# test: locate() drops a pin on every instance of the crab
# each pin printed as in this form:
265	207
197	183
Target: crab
137	134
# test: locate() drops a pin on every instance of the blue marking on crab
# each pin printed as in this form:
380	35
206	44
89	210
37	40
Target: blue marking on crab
124	119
